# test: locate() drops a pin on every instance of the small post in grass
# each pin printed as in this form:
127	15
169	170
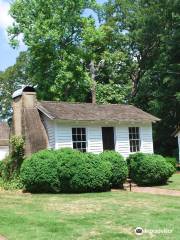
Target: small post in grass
130	183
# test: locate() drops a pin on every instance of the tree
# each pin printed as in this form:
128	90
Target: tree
159	90
130	56
136	25
151	35
10	80
52	31
68	51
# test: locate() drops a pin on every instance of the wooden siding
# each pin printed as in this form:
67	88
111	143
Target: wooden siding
63	136
146	139
94	140
50	129
60	136
122	140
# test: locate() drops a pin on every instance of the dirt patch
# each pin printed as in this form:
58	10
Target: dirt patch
153	190
2	238
75	207
118	228
90	234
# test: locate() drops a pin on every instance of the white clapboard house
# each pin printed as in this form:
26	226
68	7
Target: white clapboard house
84	126
4	140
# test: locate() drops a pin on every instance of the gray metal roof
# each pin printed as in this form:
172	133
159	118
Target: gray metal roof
20	91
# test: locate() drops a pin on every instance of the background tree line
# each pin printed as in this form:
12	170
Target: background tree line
127	54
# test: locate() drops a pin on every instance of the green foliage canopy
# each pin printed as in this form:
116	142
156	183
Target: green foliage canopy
130	55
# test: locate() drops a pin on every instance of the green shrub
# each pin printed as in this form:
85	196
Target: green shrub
119	167
10	166
17	152
7	169
13	184
149	169
65	170
39	172
172	161
82	172
1	167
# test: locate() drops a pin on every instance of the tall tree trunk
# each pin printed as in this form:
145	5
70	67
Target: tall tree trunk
93	77
135	77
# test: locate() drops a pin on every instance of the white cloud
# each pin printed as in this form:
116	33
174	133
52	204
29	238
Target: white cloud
5	19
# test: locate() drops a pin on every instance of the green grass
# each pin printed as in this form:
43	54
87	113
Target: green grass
173	183
110	215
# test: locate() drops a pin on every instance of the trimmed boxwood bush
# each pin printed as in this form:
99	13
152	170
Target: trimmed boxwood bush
39	172
119	167
149	169
82	172
65	170
172	161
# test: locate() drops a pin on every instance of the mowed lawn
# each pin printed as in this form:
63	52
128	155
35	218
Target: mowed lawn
110	215
173	183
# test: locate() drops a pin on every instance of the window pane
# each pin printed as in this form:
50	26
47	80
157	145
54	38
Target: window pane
83	137
73	130
78	130
74	137
78	145
130	130
83	145
78	137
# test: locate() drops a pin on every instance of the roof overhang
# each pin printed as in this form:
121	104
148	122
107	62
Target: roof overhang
102	122
50	115
45	112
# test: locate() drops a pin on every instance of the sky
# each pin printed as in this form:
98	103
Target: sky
8	55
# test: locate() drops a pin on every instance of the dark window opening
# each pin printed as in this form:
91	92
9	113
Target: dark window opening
108	138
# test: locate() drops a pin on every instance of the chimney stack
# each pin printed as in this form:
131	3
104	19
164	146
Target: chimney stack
22	98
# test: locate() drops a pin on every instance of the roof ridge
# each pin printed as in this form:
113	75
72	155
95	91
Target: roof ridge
115	104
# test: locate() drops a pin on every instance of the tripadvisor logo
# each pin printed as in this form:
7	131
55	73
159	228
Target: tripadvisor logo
139	231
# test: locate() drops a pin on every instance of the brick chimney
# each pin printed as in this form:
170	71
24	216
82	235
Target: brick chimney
27	121
22	99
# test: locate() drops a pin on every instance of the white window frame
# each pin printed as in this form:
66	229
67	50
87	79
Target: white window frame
138	147
80	141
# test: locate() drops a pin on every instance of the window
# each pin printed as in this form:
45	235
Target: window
79	139
134	139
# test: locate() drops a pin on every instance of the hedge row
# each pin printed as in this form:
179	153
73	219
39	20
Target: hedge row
68	170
